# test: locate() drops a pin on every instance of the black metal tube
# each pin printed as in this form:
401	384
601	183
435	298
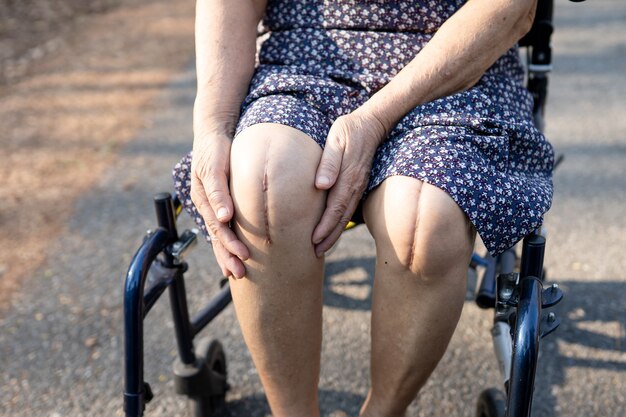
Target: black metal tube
134	401
182	325
538	87
166	218
208	313
525	348
506	261
165	214
153	293
486	296
532	256
178	205
159	278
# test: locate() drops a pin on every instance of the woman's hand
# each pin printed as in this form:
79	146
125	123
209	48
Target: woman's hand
344	170
210	168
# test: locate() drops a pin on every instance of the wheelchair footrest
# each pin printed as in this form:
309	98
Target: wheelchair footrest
549	323
551	296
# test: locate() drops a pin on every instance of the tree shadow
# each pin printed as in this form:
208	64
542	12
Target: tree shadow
593	319
348	293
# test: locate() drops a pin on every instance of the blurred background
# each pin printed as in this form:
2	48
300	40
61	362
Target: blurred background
95	109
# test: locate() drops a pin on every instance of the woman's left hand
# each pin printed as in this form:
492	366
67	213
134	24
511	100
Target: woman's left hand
344	170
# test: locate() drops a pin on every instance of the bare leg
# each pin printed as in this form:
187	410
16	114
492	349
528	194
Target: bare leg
423	245
279	301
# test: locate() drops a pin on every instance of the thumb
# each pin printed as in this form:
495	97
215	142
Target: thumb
328	168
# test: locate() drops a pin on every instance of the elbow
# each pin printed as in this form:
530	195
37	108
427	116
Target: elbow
526	19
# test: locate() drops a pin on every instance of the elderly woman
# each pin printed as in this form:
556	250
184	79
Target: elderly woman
414	109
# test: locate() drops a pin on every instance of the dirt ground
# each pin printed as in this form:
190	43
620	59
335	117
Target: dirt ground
76	81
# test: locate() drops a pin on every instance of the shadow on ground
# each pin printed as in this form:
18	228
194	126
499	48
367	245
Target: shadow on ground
334	403
591	335
339	293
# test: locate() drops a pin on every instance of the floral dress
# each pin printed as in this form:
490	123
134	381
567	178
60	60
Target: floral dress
323	59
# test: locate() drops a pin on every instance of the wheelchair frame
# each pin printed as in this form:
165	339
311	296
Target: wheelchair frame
200	374
194	377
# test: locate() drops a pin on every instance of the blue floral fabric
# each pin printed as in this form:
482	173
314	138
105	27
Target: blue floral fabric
324	59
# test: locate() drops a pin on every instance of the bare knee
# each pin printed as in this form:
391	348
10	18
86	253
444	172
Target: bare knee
272	183
419	230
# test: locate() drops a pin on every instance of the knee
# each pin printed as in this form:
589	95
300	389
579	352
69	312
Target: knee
421	231
272	183
427	252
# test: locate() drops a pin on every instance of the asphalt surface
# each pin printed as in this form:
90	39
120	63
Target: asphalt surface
61	340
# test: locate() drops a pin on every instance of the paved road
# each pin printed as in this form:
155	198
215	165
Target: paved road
60	342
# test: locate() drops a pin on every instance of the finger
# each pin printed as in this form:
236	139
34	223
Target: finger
229	240
216	189
340	205
220	256
330	240
229	264
330	163
221	231
332	237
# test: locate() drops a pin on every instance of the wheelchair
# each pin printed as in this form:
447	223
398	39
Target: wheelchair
511	285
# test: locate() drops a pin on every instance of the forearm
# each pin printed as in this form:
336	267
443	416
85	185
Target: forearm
463	48
225	53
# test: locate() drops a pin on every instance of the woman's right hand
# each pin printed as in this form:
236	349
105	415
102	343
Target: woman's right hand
210	169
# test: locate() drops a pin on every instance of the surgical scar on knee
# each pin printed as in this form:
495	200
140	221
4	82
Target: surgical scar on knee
268	238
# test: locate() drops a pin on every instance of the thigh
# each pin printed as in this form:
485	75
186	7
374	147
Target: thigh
418	226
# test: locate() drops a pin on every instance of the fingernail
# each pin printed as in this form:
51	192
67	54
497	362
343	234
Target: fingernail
323	180
222	213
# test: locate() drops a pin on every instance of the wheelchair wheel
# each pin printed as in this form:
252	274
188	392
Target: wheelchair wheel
212	354
491	403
